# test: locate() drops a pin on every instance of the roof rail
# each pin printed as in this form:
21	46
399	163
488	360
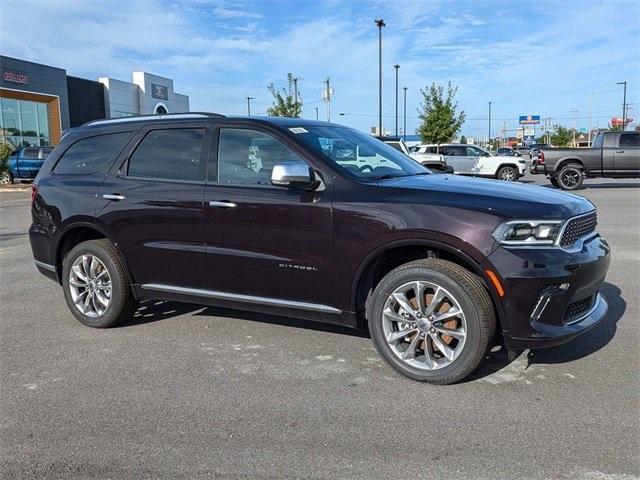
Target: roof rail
142	118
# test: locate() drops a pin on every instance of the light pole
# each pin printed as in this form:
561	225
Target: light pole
295	90
249	105
397	67
380	23
489	125
404	122
316	113
624	105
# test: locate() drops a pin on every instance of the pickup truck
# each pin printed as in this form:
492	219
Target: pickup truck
434	161
25	163
612	155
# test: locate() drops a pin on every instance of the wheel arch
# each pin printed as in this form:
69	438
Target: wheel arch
567	160
391	255
76	233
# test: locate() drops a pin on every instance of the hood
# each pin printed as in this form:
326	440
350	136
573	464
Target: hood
505	199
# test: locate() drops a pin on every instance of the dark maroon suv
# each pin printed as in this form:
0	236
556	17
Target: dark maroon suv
317	221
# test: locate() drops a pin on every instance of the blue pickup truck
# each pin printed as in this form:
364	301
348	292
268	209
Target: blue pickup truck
24	163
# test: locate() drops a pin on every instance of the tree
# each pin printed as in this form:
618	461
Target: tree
284	103
6	149
562	136
463	139
437	112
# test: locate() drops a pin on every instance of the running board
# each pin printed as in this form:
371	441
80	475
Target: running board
235	297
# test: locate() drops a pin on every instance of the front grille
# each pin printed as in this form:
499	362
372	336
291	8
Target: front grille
578	309
579	227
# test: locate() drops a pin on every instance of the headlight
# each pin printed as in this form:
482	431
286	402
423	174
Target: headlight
528	232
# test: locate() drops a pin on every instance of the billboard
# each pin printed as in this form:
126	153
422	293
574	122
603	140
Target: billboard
529	119
529	132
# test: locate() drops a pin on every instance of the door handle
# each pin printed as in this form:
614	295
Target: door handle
113	196
222	204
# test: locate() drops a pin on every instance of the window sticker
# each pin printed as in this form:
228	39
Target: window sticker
299	130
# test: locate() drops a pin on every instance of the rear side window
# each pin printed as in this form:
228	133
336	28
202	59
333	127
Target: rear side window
90	155
630	140
173	154
30	153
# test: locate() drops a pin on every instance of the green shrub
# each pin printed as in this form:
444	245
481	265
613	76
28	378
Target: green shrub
5	150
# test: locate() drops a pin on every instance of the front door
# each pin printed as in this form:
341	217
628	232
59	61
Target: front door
152	205
627	155
456	156
262	240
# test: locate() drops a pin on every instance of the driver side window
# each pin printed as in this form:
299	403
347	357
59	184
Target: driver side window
247	157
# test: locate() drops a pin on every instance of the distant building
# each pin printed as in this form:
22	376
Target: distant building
38	102
148	94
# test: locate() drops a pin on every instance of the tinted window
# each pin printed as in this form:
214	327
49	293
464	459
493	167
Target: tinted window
598	141
454	151
174	154
630	140
91	154
30	153
247	157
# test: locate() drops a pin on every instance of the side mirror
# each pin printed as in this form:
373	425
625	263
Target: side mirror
294	174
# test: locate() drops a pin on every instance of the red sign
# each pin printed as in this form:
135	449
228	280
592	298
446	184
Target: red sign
15	77
617	121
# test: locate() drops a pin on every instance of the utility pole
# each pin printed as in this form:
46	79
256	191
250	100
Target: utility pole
316	113
397	67
295	90
489	125
327	96
249	105
404	123
624	105
380	23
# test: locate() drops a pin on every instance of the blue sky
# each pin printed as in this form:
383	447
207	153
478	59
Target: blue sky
538	57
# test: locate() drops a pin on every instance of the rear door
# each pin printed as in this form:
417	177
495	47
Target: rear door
627	155
151	202
261	240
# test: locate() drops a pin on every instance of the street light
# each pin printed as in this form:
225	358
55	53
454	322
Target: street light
489	124
380	23
404	126
624	105
249	105
397	67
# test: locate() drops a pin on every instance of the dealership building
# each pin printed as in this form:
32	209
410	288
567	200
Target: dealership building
38	102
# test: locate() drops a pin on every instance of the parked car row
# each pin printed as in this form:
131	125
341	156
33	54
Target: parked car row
317	221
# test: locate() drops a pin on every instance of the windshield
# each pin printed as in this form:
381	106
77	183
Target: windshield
359	154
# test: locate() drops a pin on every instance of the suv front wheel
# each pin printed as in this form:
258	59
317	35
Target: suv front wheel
96	284
431	320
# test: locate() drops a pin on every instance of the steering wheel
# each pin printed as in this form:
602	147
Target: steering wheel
363	168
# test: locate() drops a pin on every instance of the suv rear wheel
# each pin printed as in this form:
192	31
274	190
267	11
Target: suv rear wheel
570	177
431	320
96	285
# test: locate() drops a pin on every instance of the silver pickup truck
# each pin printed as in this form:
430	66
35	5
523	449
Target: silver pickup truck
612	155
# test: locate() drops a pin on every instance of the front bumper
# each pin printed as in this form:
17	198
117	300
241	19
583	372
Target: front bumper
551	295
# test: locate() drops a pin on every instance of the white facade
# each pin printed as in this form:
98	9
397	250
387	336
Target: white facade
146	95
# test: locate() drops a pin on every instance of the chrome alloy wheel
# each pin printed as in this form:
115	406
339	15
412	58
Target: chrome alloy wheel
424	325
90	285
508	175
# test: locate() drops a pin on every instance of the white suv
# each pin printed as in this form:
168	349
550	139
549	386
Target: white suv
472	160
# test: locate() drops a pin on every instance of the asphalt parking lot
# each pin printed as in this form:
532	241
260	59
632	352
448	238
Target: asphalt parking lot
191	392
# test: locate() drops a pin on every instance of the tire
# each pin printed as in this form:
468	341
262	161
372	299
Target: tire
120	303
508	174
554	182
459	286
570	177
6	178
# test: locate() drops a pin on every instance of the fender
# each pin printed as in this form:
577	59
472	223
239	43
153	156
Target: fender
569	159
473	258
